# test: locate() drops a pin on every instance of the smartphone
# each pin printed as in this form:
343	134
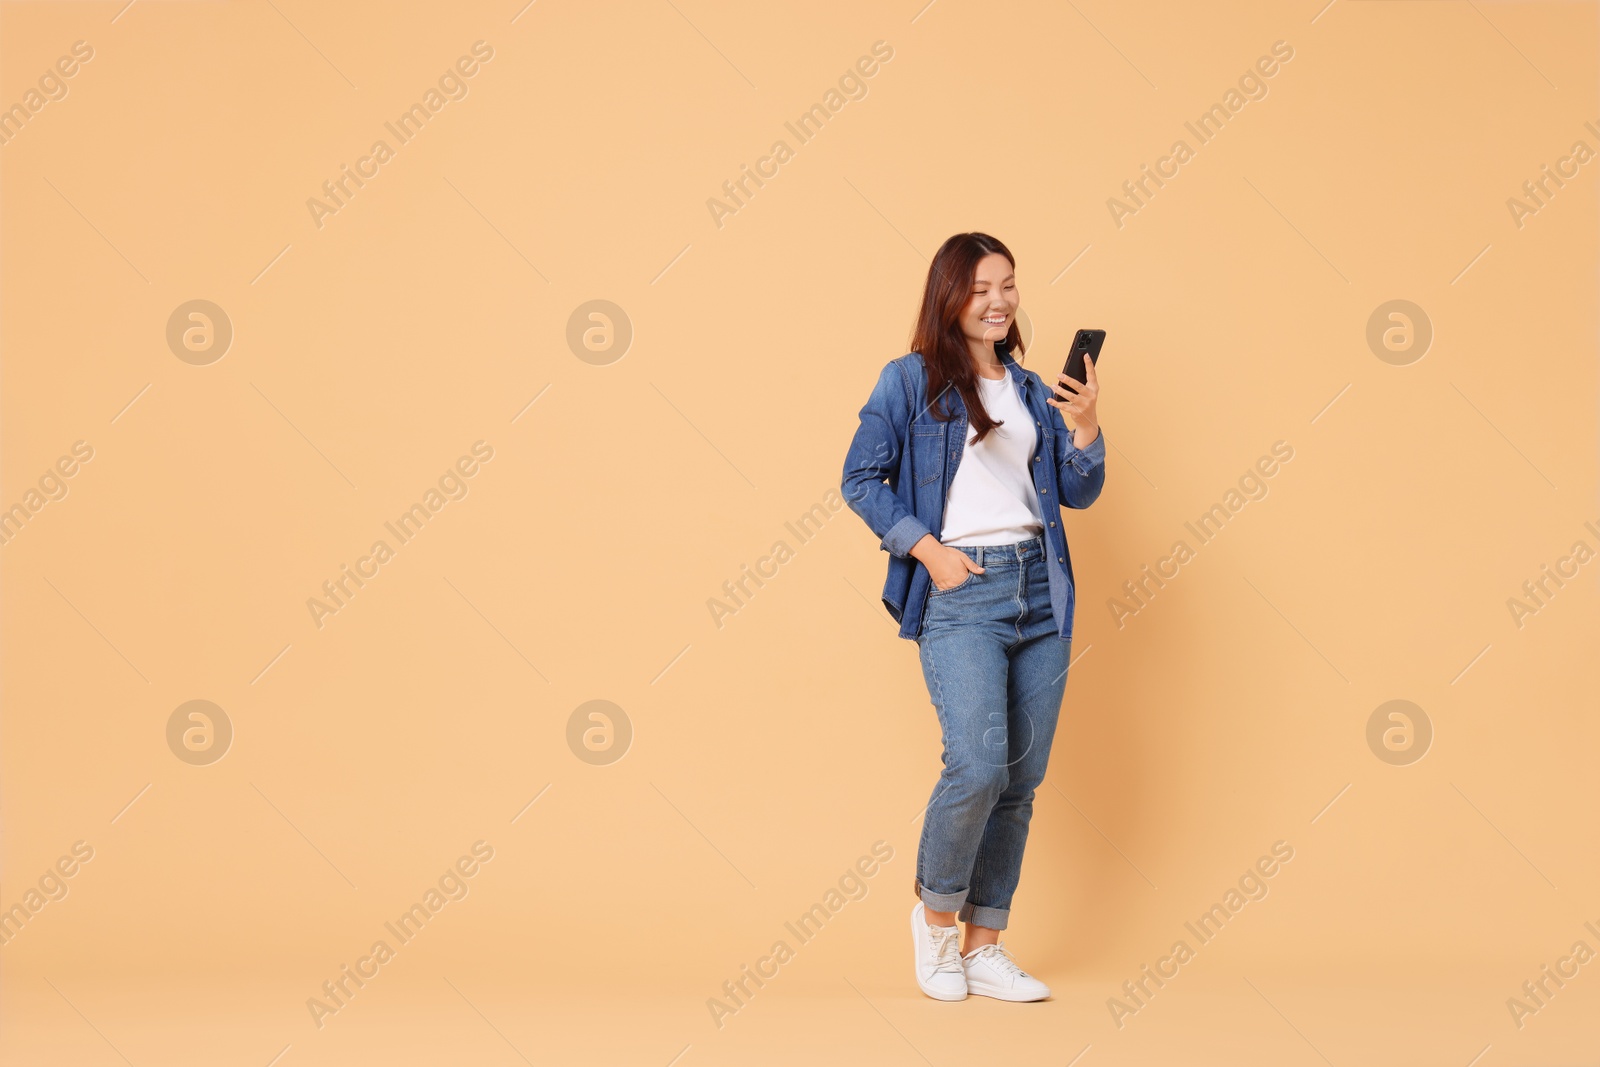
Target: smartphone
1086	345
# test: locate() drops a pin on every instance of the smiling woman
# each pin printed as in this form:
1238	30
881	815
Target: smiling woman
948	468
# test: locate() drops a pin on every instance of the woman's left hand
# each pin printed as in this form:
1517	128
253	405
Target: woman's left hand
1078	401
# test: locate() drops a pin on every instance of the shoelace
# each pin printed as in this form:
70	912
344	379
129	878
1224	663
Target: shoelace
946	956
998	957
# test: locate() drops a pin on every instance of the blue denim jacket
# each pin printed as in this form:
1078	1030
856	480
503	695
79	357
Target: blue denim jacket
901	461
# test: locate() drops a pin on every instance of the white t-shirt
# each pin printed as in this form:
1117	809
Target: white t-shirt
992	499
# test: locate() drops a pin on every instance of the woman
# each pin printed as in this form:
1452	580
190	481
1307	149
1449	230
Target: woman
961	466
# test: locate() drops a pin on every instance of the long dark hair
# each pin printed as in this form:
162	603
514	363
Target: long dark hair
938	334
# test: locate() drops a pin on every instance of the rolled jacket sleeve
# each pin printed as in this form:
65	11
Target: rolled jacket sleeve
873	466
1081	472
903	535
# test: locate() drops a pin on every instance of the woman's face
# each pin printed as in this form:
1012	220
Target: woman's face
994	300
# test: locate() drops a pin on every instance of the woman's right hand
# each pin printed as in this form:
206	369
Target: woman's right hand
947	566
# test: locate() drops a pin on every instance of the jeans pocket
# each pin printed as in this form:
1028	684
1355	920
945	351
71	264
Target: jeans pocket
934	590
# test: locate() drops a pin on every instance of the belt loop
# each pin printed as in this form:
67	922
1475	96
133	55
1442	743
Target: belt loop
980	555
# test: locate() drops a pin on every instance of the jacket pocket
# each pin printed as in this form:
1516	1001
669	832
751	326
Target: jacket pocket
927	454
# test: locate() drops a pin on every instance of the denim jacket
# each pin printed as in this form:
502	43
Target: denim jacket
900	463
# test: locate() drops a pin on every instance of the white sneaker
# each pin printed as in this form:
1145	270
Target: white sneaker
991	972
938	958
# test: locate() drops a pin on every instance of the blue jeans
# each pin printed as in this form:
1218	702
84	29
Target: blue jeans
996	670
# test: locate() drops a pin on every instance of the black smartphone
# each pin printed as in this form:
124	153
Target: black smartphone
1086	345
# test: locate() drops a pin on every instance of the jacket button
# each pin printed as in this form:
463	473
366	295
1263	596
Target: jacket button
1052	524
1044	491
1036	459
1061	559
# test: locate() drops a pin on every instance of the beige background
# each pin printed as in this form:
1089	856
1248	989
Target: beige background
768	754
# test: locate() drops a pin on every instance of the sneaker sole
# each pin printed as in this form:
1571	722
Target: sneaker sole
947	997
1004	994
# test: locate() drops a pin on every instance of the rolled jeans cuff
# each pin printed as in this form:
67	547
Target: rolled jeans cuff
956	902
988	918
966	911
